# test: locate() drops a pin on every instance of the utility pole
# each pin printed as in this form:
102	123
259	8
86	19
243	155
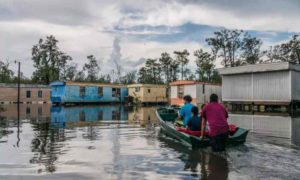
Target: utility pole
19	74
18	105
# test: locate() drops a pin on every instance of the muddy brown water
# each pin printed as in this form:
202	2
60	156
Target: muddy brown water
116	142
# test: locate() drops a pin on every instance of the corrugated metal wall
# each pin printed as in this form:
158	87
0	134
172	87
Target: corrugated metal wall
208	90
237	87
267	86
173	92
296	85
190	90
272	86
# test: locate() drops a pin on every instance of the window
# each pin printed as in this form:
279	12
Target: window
28	111
28	94
100	115
180	91
137	89
116	92
149	90
100	91
116	115
40	111
40	94
82	116
203	89
82	91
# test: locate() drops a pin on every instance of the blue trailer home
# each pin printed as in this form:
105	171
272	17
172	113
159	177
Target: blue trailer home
79	93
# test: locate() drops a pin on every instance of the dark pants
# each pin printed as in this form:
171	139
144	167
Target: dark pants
218	142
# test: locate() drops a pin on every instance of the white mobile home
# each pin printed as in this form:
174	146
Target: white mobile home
199	91
264	84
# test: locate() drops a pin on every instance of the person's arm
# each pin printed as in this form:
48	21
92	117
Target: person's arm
203	124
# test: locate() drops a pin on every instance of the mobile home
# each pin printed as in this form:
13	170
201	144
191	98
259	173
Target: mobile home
29	93
261	84
148	93
77	92
199	91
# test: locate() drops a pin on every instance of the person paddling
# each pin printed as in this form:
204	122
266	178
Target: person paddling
216	116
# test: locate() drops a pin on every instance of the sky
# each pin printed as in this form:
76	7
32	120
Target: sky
129	31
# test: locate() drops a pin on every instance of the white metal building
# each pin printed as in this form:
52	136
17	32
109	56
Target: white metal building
273	83
199	91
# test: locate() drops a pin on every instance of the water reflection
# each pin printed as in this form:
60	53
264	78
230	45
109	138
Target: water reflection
116	142
76	116
200	163
277	126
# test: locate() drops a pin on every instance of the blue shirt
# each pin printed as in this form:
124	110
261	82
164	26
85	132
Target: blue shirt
194	123
186	113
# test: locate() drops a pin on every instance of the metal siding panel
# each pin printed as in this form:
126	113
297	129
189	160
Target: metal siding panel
295	85
173	91
190	90
237	88
272	86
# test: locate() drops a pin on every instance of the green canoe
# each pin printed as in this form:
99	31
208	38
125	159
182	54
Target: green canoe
167	117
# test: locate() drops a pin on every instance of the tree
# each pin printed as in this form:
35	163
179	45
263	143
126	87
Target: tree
166	62
129	78
104	78
70	72
290	51
226	44
64	66
153	70
6	74
48	60
216	78
205	65
174	70
182	59
251	52
273	54
142	75
92	68
80	76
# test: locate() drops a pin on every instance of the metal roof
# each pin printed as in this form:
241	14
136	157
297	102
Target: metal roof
146	85
266	67
7	85
188	82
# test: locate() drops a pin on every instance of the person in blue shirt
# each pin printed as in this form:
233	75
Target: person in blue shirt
186	110
194	123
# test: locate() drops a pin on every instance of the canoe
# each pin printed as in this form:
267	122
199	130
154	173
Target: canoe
167	117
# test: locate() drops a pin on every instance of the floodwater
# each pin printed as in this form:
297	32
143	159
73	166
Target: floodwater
115	142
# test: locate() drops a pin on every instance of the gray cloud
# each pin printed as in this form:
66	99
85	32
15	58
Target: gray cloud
84	27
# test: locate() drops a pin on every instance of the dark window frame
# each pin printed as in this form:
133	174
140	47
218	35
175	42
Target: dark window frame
82	91
203	88
28	94
116	92
100	91
149	91
137	89
40	94
180	91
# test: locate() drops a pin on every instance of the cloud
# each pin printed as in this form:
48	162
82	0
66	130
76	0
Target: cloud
258	15
145	29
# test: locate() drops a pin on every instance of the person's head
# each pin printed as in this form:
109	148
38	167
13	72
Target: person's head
202	106
195	111
214	98
187	99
